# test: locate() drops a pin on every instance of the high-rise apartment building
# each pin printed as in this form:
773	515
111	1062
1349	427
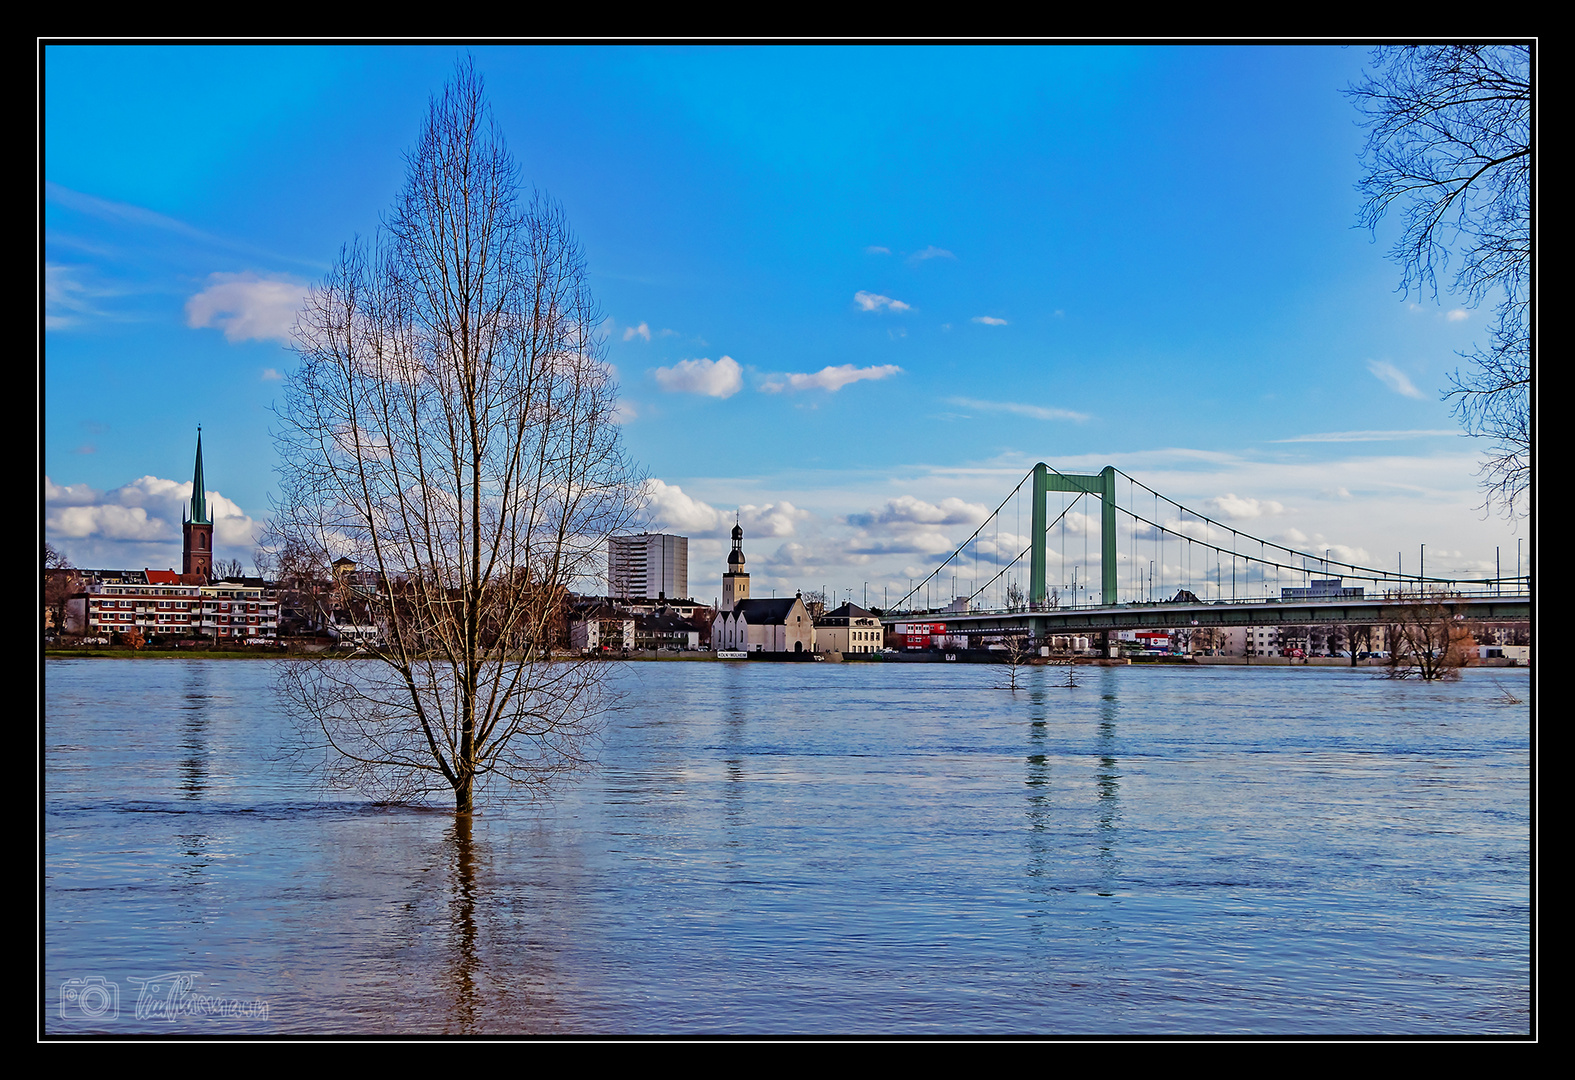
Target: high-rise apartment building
648	566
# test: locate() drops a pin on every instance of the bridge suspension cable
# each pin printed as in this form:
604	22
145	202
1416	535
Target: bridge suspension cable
1023	552
1254	566
964	545
1355	570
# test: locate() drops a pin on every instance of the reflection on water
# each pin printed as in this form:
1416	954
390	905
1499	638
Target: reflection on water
462	928
859	848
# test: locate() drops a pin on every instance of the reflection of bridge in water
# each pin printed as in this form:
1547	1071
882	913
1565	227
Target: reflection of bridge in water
1216	575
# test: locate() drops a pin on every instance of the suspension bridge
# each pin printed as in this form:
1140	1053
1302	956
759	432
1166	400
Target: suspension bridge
1153	563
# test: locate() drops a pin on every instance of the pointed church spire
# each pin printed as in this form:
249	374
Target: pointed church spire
199	496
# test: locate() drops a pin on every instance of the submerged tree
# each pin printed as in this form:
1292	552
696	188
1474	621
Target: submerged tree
1449	148
1018	652
451	430
1428	640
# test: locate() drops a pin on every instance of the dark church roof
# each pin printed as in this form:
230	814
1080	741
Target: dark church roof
769	612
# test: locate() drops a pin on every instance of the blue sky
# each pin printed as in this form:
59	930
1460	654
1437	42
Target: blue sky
843	284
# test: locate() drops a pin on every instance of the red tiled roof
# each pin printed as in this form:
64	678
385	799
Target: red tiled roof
162	577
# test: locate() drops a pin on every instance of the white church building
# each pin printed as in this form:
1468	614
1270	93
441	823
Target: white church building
743	624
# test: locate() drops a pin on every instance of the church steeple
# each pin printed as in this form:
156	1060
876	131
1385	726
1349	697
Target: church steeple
196	556
198	512
735	583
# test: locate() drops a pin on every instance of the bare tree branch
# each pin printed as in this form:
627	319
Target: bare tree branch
451	430
1449	150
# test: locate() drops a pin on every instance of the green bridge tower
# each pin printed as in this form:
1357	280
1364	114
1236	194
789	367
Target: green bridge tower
1047	480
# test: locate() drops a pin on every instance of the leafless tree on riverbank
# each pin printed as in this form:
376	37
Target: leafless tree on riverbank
61	583
451	429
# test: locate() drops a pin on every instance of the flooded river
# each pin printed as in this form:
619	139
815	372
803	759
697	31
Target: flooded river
782	848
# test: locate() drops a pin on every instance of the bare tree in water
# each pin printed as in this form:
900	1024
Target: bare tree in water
451	429
1018	653
1427	641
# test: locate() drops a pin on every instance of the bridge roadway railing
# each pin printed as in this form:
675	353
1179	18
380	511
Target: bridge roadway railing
1226	613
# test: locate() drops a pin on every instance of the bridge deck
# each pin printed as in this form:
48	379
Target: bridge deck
1223	613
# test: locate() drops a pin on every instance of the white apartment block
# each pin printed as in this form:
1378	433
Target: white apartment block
648	566
163	605
1252	641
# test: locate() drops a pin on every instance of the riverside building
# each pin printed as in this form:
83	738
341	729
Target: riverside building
163	603
187	604
848	629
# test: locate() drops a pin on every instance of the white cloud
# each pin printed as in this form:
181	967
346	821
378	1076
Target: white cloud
357	443
1357	556
772	519
1393	378
1240	509
672	510
110	522
721	378
1002	548
147	510
876	249
271	374
830	379
1368	436
906	510
1457	315
641	331
67	299
69	495
922	542
869	301
1036	412
247	306
989	320
931	252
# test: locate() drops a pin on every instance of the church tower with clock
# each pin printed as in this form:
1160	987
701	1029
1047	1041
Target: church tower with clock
735	583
